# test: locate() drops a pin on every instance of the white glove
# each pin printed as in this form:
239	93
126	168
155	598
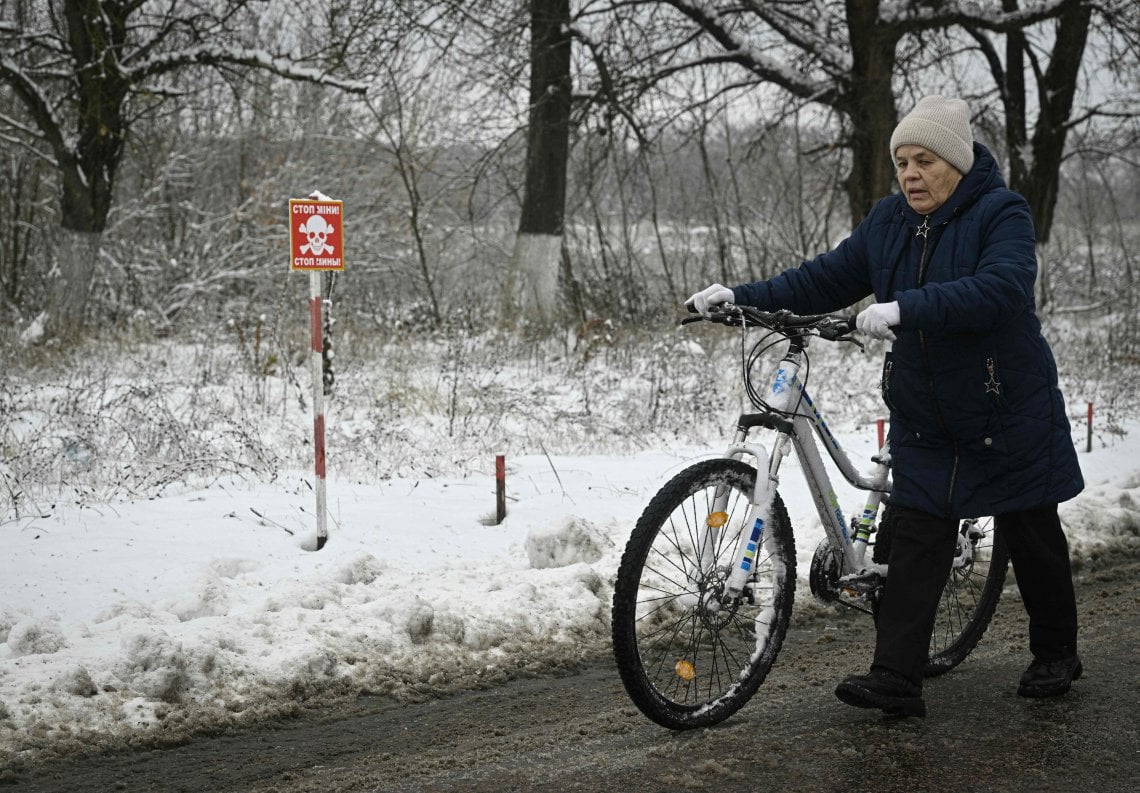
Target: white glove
876	320
710	296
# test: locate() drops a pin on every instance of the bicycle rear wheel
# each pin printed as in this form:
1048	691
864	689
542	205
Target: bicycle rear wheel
687	660
970	597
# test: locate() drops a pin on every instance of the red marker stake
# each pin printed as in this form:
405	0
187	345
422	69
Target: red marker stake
500	488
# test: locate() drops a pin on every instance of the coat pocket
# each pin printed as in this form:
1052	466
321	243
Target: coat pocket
885	381
986	460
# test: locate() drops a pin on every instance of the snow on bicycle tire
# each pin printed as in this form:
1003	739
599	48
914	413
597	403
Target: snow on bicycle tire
686	658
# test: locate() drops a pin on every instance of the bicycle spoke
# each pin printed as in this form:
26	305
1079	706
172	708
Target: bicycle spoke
697	652
968	600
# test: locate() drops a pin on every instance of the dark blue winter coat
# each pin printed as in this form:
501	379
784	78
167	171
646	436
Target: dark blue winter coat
978	424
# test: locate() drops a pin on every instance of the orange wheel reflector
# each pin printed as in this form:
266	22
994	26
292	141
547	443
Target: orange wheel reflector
717	519
685	670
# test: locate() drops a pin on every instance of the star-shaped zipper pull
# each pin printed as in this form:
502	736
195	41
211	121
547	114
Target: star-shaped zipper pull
924	229
993	385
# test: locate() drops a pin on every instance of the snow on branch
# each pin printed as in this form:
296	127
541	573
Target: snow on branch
973	13
50	127
214	55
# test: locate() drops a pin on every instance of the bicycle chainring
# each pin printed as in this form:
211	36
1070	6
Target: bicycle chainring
823	575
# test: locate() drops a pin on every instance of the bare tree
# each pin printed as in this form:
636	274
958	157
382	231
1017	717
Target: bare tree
82	71
1035	164
26	190
1066	91
538	246
844	56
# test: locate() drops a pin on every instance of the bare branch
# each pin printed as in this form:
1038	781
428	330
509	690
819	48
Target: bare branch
214	55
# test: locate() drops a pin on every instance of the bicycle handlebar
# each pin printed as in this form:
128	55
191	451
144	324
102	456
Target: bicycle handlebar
828	326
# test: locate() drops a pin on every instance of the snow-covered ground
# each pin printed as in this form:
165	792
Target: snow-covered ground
159	615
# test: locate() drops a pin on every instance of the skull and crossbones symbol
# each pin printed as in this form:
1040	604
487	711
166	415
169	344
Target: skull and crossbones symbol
317	231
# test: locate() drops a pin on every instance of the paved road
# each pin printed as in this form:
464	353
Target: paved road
579	732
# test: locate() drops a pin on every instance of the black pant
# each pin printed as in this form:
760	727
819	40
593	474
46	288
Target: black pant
921	552
1040	556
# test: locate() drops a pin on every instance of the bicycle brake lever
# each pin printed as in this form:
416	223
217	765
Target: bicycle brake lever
842	330
721	312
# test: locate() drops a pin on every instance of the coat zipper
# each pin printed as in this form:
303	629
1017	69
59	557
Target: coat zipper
930	377
886	384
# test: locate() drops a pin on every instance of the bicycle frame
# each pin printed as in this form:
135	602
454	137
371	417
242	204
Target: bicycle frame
789	398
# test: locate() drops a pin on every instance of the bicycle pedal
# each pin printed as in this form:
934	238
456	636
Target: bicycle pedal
862	583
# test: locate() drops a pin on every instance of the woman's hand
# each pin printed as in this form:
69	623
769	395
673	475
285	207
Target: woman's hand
876	321
708	297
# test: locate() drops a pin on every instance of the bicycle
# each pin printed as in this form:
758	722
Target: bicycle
706	583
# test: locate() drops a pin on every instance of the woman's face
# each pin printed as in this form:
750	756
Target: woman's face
926	179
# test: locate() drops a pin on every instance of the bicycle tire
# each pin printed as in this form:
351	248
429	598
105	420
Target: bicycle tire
683	664
969	600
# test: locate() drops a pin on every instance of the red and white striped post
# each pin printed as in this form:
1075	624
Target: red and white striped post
500	488
316	239
315	322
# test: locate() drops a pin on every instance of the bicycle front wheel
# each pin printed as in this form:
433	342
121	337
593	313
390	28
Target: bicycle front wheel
970	596
687	658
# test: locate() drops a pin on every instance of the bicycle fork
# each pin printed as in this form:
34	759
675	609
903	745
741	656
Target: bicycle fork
754	530
782	399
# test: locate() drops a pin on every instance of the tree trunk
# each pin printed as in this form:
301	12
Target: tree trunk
1055	92
1014	100
95	32
84	203
69	282
533	279
870	105
535	265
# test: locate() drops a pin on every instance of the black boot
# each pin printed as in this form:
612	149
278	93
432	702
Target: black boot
883	689
1050	678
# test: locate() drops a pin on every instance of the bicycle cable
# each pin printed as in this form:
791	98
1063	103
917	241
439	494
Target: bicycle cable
773	338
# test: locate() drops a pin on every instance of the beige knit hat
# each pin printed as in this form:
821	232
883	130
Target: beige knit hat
941	125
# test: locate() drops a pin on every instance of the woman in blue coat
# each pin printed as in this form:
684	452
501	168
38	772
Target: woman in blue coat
978	423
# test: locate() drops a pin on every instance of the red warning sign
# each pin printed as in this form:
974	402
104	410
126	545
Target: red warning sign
316	234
